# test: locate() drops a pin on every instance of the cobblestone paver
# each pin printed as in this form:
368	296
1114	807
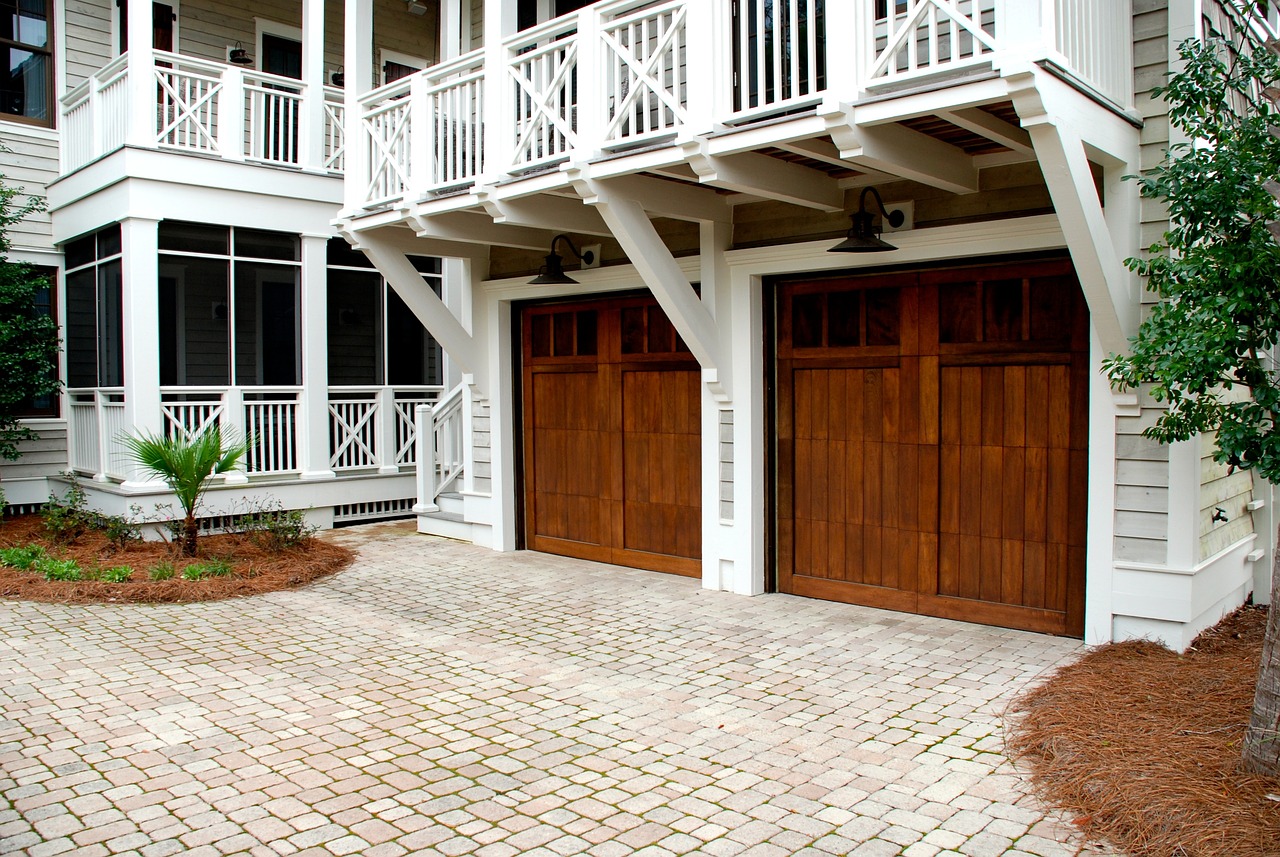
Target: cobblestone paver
441	699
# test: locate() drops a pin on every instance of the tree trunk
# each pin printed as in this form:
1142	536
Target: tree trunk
1262	740
191	529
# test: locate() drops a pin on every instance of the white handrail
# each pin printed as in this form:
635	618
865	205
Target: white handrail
441	445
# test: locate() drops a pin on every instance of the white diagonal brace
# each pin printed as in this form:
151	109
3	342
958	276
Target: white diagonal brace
1060	149
660	272
407	281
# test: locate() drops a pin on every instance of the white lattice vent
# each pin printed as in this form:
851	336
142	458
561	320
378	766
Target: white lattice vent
354	513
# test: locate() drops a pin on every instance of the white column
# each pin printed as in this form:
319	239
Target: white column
499	21
850	45
1184	504
452	29
142	78
358	68
311	122
140	308
313	435
591	90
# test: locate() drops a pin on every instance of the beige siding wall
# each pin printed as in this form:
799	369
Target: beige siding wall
89	39
1229	491
482	443
46	456
1142	465
31	163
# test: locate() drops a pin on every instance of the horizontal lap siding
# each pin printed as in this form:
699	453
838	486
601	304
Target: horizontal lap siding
1142	465
31	163
45	456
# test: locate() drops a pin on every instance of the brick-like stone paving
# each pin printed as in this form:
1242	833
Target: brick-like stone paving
438	698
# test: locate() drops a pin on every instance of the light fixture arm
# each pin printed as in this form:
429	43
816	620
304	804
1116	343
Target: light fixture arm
586	258
895	218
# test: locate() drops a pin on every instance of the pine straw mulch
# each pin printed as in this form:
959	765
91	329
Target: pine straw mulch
255	569
1142	745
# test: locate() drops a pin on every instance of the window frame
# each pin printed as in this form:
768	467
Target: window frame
50	120
54	409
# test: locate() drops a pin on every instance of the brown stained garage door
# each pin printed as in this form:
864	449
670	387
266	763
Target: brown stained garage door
931	443
612	435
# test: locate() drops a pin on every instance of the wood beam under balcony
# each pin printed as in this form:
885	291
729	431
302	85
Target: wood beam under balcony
991	127
478	228
907	154
678	200
770	178
556	213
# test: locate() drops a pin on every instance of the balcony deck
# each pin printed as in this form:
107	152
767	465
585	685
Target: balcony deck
788	99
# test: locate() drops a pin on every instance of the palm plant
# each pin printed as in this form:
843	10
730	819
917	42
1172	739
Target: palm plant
187	465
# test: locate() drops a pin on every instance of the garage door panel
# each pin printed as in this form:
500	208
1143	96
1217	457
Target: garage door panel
612	407
953	470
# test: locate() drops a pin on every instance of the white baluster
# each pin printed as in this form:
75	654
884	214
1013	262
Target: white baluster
426	472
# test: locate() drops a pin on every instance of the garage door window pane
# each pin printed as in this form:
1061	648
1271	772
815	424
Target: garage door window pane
883	314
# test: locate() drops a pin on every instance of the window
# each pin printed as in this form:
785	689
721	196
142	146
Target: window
229	300
374	339
44	406
95	324
26	75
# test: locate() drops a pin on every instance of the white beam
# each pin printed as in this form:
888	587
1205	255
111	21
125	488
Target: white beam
662	274
556	213
907	154
480	229
761	175
425	304
674	199
996	130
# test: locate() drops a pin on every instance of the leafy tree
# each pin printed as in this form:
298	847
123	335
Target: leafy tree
28	339
187	465
1205	349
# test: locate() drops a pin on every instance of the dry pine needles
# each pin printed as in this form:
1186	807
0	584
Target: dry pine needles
1142	745
254	569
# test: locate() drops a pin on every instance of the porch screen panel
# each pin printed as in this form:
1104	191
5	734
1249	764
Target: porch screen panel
355	327
82	329
413	357
266	325
110	324
195	324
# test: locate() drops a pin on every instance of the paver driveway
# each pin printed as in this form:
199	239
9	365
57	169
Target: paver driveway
438	698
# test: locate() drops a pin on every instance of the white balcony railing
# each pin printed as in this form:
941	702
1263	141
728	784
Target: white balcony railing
373	427
625	73
199	106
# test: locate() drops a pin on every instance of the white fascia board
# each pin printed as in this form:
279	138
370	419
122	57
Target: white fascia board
896	108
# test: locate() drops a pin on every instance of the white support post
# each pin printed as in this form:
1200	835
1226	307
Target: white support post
311	122
104	445
1184	504
231	112
425	444
142	78
591	95
384	427
422	142
499	107
313	439
140	311
850	39
358	68
233	426
451	29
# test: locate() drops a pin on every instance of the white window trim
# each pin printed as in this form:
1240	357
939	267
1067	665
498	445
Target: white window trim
385	56
115	25
265	26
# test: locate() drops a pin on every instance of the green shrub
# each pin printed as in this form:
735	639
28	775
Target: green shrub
203	570
162	571
66	518
118	529
115	574
274	528
67	570
22	558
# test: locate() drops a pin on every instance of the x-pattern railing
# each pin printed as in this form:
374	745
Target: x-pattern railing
189	420
928	34
353	434
188	107
546	98
647	72
388	131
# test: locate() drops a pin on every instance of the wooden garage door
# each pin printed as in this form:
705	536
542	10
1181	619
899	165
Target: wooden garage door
931	451
612	436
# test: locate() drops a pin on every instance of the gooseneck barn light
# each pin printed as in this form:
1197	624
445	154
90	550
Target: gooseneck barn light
553	271
863	235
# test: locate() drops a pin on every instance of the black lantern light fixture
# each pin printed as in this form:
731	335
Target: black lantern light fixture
339	77
239	56
552	273
863	235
